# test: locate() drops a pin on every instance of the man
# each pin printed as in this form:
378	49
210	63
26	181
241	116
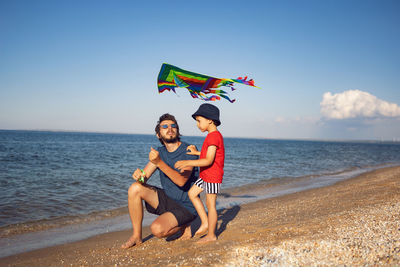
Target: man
171	203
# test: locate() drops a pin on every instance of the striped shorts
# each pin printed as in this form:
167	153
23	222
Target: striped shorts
210	188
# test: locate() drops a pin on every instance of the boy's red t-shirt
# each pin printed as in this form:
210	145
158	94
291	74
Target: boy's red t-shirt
214	172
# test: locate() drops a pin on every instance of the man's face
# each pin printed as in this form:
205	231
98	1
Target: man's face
168	131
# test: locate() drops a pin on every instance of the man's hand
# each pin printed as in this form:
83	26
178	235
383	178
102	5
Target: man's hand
154	156
192	150
137	174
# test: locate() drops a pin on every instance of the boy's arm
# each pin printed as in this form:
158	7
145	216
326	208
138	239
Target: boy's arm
207	161
179	179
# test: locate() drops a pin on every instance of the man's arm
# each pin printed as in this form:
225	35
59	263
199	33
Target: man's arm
149	169
179	179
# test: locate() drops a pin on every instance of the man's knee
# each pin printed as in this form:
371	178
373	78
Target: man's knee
158	230
134	189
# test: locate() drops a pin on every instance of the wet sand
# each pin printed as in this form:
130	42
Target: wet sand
354	222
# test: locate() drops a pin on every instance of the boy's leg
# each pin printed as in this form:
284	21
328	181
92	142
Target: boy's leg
211	200
194	193
136	193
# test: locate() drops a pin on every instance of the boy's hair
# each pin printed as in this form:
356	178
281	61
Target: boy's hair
165	117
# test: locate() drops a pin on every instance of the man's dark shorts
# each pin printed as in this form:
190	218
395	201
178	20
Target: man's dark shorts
166	204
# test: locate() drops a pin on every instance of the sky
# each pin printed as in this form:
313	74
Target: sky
326	69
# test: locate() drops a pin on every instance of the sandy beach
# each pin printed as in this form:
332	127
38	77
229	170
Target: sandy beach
353	222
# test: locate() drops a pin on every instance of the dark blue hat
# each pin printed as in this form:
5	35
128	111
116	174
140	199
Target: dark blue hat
208	111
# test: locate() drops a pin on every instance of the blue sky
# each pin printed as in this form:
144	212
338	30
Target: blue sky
327	69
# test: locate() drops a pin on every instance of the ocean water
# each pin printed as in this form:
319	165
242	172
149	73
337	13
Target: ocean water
53	179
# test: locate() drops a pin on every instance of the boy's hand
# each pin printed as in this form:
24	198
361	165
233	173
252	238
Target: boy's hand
154	156
192	150
181	165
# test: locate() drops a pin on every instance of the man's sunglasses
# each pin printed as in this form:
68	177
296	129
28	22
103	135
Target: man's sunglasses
165	126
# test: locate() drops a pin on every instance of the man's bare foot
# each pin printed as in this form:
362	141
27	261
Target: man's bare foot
203	229
132	241
186	233
207	239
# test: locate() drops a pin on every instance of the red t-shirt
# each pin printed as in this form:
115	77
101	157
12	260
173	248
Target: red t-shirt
214	172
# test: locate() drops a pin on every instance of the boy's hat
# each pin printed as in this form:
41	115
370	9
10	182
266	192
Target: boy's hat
208	111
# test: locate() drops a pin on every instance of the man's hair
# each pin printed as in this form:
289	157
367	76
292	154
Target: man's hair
165	117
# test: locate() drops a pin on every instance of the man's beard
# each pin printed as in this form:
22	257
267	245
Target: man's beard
171	140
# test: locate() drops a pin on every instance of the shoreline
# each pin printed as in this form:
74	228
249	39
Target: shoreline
300	222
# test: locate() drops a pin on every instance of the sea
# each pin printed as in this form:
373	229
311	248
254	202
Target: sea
59	187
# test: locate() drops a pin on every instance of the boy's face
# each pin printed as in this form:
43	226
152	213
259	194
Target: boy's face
203	123
168	131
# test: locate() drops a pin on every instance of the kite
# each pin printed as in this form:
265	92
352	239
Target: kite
199	86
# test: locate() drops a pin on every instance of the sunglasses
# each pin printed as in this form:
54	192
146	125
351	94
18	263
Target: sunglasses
165	126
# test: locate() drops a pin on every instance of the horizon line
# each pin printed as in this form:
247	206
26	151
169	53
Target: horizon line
393	140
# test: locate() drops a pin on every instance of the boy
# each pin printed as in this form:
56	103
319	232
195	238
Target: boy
211	163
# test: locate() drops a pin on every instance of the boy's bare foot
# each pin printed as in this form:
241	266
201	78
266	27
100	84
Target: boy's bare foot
207	239
132	241
203	229
186	233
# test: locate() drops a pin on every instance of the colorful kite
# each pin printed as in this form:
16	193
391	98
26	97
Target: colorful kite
199	86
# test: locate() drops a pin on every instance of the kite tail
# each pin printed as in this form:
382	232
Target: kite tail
245	81
217	94
211	98
213	91
227	98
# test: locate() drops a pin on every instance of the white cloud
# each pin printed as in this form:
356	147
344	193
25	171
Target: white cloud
356	104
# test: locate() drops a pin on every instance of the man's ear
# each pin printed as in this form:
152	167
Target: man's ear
158	135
